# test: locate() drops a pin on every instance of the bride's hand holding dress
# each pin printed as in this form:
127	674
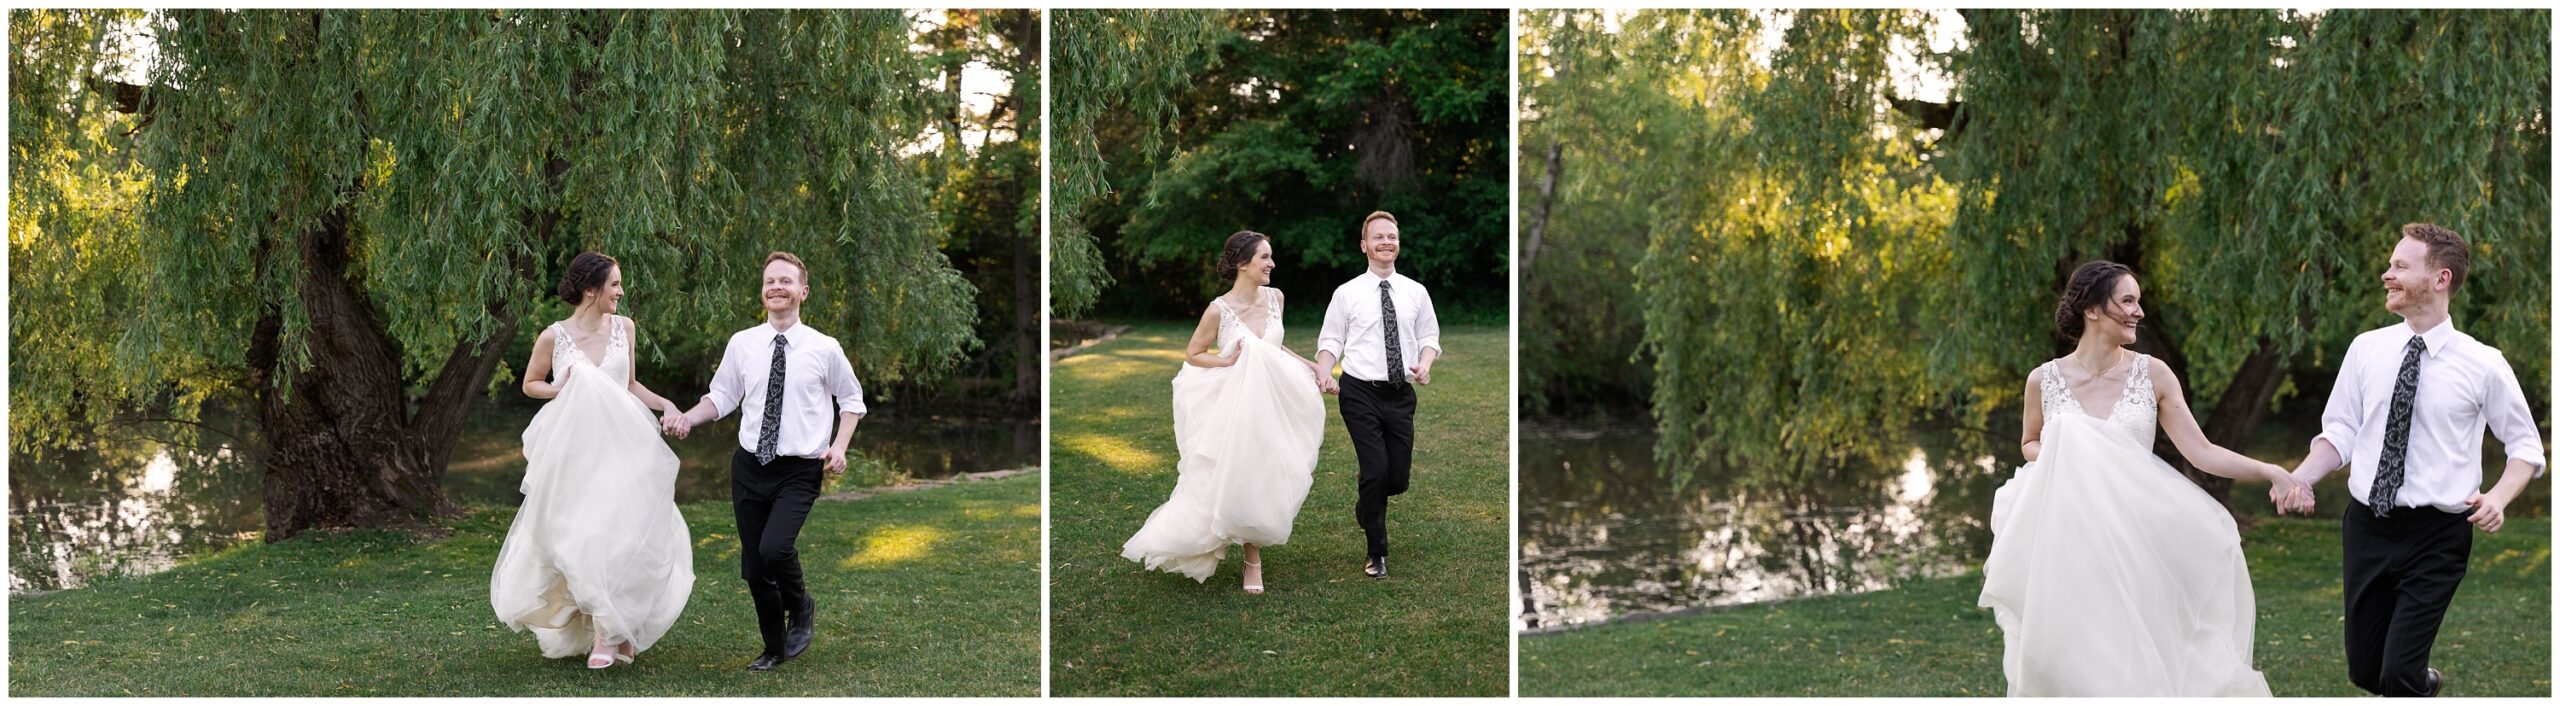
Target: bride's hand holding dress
2111	573
598	551
1247	426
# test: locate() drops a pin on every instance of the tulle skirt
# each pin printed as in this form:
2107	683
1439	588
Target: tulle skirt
2113	575
598	546
1248	435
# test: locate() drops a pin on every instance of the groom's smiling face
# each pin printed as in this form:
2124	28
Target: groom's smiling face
1381	241
2412	280
785	286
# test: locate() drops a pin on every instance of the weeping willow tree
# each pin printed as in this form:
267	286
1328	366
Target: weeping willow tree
1128	63
1831	256
343	217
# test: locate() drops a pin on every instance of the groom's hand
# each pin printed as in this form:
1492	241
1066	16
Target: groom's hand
2487	513
1421	374
834	461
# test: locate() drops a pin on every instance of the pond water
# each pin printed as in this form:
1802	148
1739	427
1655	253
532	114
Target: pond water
1604	535
138	499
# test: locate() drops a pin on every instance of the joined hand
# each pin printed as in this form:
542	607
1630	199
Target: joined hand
2291	495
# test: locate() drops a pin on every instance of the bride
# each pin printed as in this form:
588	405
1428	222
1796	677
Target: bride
1247	420
2111	574
599	560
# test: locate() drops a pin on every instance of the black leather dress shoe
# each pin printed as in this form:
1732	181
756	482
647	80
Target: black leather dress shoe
1377	568
803	628
764	662
2435	682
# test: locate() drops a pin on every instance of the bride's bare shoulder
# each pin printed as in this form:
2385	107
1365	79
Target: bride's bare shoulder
2161	376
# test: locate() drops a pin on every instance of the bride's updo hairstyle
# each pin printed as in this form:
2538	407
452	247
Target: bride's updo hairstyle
2090	286
1239	251
586	271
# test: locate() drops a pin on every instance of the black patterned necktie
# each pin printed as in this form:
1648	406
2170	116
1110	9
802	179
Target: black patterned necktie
1395	353
772	426
2395	436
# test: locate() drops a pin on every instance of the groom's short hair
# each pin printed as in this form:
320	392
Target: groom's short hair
1374	216
2445	249
790	258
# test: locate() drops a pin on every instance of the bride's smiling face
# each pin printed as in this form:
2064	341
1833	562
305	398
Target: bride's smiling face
1257	271
2119	319
609	295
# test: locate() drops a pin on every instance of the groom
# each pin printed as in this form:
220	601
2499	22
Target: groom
792	381
1381	327
2406	416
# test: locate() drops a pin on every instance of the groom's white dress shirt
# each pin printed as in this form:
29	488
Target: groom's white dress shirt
1355	328
2463	386
817	379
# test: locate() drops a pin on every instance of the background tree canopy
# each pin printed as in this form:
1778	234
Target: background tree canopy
1843	223
347	218
1183	127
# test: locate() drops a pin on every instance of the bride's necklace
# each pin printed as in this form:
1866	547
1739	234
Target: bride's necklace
587	331
2095	374
1247	306
597	331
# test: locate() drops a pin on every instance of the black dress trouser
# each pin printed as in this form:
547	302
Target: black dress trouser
2401	573
1379	417
772	501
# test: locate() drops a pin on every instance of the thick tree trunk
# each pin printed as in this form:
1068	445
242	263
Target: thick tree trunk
1028	362
343	447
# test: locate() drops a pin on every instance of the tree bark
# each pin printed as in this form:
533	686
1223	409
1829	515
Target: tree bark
341	450
1023	32
1546	205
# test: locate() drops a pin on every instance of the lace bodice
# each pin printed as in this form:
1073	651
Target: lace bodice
2136	412
565	353
1231	321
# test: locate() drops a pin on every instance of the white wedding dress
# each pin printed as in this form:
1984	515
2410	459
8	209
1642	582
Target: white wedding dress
1248	434
598	547
2111	574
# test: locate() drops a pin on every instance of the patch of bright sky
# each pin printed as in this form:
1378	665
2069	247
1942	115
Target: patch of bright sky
980	86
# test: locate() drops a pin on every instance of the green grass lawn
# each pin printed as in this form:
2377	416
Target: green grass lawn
926	593
1437	626
1926	638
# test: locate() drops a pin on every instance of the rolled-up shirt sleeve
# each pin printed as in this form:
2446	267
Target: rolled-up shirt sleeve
2512	421
2339	421
1329	338
726	389
1426	326
841	383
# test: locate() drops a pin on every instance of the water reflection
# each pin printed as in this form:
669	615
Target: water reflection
130	506
124	502
1604	535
